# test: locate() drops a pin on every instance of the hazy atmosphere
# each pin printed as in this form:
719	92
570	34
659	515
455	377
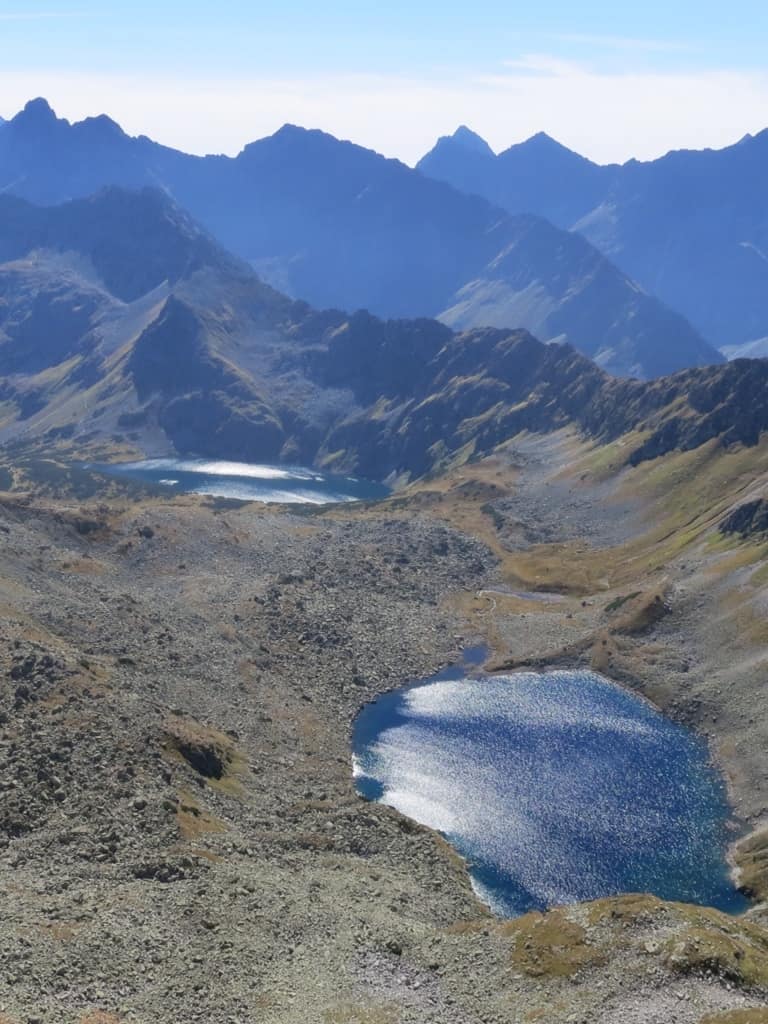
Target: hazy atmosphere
611	82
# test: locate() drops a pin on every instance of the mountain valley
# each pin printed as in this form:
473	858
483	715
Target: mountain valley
181	838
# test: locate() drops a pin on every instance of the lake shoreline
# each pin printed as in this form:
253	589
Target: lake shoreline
468	676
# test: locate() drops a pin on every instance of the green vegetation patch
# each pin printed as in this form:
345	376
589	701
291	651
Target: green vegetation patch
619	602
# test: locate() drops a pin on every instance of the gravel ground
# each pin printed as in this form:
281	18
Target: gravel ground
179	835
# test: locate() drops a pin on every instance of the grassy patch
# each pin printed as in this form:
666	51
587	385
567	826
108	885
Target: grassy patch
727	953
619	602
551	945
213	755
758	1015
626	910
707	942
642	611
195	821
752	861
697	941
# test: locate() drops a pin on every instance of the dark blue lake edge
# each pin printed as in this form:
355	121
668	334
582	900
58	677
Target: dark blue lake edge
555	787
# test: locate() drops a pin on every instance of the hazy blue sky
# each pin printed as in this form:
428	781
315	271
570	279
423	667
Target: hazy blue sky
608	79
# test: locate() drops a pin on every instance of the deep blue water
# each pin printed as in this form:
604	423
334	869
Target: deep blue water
247	481
555	787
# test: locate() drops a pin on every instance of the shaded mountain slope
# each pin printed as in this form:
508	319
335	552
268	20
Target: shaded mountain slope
210	361
706	213
338	225
690	227
133	240
487	386
563	290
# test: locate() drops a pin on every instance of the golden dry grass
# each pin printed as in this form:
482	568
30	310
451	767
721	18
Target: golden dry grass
758	1015
194	744
193	820
552	945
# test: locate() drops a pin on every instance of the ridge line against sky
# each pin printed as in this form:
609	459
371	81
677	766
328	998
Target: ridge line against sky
609	84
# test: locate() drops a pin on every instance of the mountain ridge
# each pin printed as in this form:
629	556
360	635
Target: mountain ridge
196	355
705	210
340	226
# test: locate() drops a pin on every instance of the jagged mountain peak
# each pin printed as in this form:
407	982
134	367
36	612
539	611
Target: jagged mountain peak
290	130
100	125
293	137
544	138
214	356
36	115
295	132
463	144
541	144
338	225
471	140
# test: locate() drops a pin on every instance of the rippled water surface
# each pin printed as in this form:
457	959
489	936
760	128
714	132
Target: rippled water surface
556	787
248	481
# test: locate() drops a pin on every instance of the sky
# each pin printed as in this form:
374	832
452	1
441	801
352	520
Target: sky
612	81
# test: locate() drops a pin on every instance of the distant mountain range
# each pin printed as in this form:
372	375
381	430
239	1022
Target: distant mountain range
120	319
340	226
690	227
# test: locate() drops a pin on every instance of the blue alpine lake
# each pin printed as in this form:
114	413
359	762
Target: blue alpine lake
247	481
555	787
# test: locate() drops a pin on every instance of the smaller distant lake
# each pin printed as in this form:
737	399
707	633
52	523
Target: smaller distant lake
247	481
556	787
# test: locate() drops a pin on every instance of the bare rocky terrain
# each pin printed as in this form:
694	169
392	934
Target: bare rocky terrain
180	839
180	836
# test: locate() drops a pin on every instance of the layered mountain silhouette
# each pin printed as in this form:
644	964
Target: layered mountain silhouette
338	225
690	227
538	176
187	350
